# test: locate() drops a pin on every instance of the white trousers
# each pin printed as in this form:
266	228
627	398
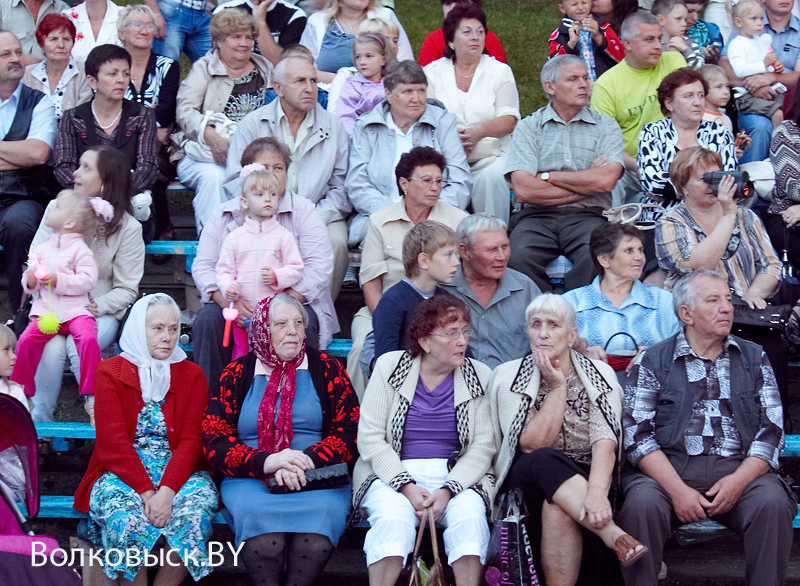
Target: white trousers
393	521
50	371
206	179
490	190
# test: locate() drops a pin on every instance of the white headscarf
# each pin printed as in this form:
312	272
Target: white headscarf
154	374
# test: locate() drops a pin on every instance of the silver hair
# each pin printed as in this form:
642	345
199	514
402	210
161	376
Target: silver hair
408	72
155	299
286	299
551	71
130	11
554	305
475	223
684	292
632	24
280	69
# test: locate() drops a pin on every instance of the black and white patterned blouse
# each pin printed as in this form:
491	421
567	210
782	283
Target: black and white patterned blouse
658	147
162	78
784	152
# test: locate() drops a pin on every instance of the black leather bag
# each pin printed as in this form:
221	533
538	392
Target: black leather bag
745	318
317	479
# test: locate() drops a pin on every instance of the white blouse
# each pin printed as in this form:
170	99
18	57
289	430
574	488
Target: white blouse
84	37
492	93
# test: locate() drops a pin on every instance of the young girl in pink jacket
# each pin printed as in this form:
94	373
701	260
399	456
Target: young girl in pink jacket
260	258
63	271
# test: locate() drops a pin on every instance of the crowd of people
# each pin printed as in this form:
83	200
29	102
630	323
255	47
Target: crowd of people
632	402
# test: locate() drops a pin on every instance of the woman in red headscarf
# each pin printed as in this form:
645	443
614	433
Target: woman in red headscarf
280	411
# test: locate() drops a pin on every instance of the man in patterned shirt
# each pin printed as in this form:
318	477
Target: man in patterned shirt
702	428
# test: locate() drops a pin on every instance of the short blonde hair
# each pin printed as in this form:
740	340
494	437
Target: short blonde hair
7	336
712	72
428	237
685	163
745	6
554	305
260	180
229	21
132	10
80	208
378	24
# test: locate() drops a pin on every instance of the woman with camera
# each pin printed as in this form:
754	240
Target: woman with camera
709	230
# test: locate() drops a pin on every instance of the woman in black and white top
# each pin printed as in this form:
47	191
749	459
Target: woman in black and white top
154	84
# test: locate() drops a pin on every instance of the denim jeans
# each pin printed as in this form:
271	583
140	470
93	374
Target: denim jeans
760	130
187	31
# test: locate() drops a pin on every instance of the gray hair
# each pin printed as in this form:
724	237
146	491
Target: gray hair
554	305
475	223
281	68
132	10
286	299
684	292
407	71
632	24
551	71
155	299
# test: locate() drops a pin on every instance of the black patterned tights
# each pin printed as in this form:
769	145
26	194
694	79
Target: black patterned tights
303	555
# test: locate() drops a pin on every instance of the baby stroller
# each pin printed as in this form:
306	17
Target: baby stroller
19	483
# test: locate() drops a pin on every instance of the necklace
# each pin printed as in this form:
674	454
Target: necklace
465	76
349	26
113	122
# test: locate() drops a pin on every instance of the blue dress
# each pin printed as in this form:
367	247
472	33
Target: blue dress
255	510
336	50
116	511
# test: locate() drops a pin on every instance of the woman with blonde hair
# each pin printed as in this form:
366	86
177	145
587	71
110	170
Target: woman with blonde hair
224	85
330	34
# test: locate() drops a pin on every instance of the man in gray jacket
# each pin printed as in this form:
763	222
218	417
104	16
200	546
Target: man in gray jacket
319	148
404	121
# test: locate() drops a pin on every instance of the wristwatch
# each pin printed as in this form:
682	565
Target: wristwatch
545	176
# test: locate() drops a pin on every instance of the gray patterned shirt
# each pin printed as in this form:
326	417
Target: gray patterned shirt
711	430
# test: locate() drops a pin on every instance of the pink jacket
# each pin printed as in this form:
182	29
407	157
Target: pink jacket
252	247
359	95
68	256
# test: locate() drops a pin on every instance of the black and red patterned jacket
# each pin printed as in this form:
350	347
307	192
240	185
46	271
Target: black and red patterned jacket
606	55
340	413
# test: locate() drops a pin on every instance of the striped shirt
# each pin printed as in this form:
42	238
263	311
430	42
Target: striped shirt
711	429
162	77
749	252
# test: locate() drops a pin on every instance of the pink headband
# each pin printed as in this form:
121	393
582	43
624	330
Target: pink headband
251	168
380	40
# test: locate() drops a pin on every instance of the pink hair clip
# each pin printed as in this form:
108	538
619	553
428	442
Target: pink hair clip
102	208
251	168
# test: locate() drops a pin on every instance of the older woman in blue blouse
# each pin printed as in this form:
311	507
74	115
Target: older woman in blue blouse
617	313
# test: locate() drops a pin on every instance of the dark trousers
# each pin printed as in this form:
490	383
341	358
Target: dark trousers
783	238
19	220
539	234
763	516
160	205
539	475
207	332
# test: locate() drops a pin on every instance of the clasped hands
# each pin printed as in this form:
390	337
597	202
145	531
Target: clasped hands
691	506
422	499
158	506
288	467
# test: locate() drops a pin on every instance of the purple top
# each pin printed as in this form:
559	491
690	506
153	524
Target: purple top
358	95
430	430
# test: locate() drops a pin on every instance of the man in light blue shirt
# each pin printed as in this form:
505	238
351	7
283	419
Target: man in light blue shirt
785	30
27	130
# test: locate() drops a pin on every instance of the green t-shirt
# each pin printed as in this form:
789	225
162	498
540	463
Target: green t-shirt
630	95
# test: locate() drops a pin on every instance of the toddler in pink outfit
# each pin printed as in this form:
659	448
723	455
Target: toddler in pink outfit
63	272
260	258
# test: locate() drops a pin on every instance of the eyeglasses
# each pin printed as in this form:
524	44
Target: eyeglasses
137	26
454	335
428	181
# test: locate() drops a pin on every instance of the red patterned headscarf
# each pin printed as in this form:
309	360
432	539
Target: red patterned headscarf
274	434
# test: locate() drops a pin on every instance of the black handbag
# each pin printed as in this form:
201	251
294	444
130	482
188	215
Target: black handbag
745	318
317	479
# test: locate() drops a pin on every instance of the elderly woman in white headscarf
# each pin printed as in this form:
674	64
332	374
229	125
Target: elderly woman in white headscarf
145	476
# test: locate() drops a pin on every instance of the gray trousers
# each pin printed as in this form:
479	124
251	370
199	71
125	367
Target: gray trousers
763	516
539	234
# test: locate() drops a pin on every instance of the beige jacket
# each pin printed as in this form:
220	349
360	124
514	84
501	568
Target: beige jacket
76	90
514	387
383	417
120	265
208	87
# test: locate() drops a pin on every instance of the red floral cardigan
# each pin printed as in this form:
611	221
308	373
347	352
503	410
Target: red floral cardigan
340	413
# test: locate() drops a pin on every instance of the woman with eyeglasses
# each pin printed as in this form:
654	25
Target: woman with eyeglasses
426	441
560	418
154	84
419	176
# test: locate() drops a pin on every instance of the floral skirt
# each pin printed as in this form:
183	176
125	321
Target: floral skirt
116	511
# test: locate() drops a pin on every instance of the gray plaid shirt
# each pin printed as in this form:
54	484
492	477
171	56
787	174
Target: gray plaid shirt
711	430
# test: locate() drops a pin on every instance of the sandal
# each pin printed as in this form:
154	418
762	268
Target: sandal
625	548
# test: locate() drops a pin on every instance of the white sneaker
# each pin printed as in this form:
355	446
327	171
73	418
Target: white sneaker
89	407
662	573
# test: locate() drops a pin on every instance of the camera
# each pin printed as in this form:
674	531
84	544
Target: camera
744	187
